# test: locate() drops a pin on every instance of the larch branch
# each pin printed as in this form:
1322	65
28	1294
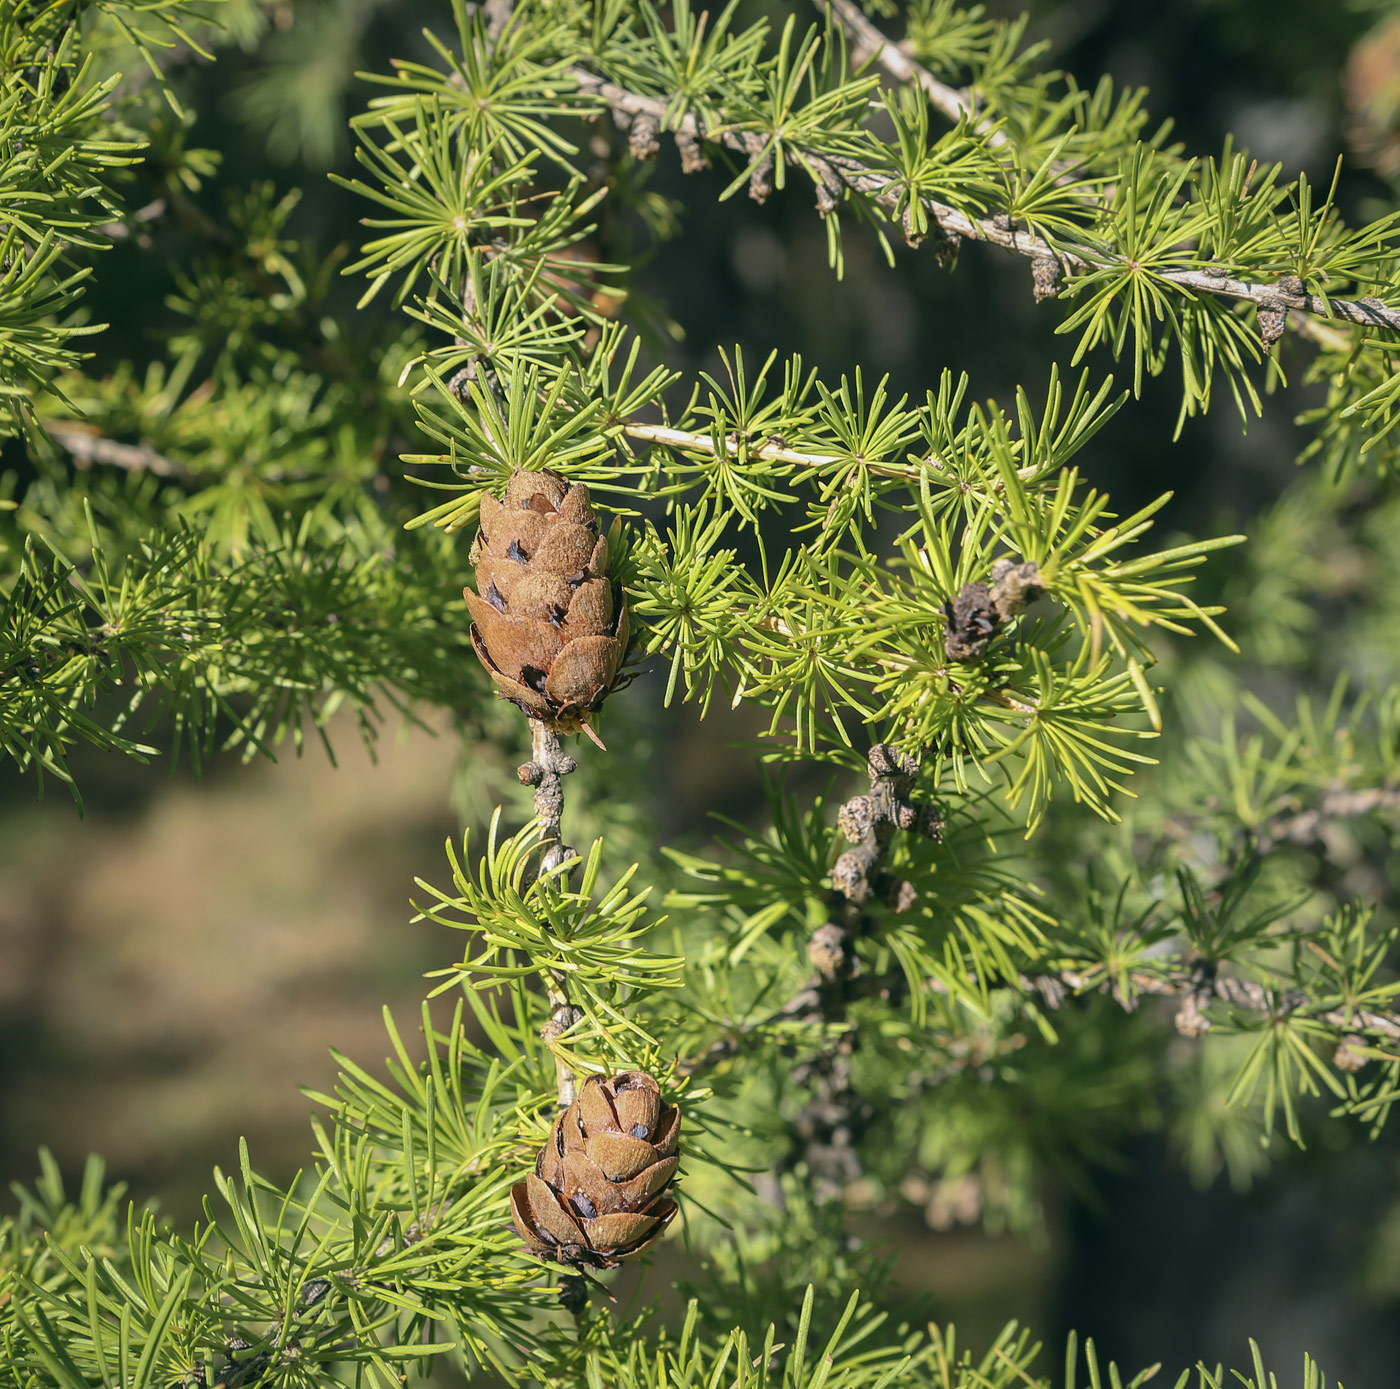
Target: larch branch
842	171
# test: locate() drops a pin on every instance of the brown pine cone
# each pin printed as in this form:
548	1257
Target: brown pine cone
597	1196
545	620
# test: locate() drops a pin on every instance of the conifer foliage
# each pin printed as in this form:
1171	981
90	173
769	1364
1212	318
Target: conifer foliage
961	964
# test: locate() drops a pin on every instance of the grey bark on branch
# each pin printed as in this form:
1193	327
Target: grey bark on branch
828	1126
87	447
829	1122
1199	984
1310	826
548	766
772	450
868	42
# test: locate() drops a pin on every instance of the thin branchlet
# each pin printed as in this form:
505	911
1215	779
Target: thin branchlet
828	1126
549	764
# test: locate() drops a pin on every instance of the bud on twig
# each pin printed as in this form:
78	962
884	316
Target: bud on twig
1047	278
692	151
828	950
1014	586
1350	1056
642	141
761	179
1273	318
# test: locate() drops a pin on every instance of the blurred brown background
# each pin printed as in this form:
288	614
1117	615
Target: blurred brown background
175	965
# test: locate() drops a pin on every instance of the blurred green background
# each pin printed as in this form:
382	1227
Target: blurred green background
175	964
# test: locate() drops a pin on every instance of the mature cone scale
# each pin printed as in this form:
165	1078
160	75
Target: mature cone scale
544	620
597	1196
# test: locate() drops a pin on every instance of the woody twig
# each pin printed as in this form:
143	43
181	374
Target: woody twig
548	766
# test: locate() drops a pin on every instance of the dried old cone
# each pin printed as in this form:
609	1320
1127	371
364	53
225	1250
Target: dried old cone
971	623
597	1196
545	621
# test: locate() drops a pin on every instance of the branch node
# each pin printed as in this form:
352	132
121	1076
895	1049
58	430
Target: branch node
913	239
761	176
1191	1020
848	876
898	894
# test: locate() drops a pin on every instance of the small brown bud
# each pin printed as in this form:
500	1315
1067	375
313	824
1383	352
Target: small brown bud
642	142
945	245
1273	318
1348	1057
556	856
884	761
827	950
761	178
1190	1020
900	895
856	818
1014	586
692	150
927	821
563	1019
913	239
480	370
848	876
1047	278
